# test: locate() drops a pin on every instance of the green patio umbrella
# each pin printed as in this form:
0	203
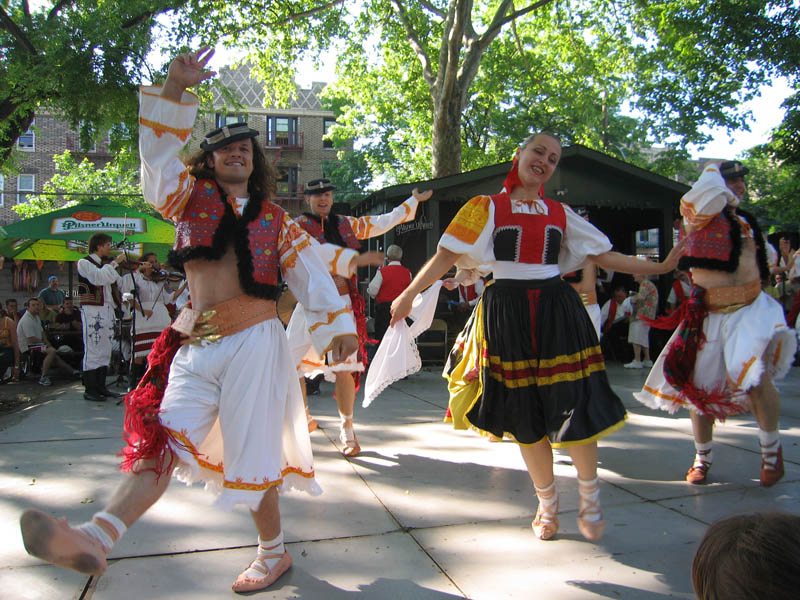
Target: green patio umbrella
61	235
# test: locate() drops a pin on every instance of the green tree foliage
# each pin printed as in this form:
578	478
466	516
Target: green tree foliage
774	187
78	182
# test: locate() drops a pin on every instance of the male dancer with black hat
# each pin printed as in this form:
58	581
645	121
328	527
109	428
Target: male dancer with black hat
220	401
324	225
732	340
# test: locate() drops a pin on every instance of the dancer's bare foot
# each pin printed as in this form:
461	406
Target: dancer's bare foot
245	583
54	541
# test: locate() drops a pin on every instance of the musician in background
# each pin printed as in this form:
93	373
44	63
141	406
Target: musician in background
97	314
151	294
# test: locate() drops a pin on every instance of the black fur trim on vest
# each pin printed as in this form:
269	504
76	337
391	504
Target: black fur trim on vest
729	266
231	230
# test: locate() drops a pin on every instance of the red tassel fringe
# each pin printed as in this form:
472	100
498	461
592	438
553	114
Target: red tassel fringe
359	311
679	363
145	436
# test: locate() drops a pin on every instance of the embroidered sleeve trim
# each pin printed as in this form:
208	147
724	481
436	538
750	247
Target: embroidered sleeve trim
160	129
176	201
335	260
158	87
331	318
468	224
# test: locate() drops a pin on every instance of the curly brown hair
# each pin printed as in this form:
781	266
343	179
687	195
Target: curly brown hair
262	182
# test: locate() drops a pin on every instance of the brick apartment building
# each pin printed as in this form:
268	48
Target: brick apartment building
292	138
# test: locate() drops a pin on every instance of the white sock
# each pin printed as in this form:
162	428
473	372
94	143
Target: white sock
589	492
273	546
345	418
548	497
703	454
96	532
769	441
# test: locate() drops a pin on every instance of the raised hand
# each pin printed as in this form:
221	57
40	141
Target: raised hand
371	258
421	196
187	70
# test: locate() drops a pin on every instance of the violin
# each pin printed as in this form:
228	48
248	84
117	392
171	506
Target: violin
162	275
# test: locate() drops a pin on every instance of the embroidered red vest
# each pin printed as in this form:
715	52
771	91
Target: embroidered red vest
316	230
209	225
712	242
468	293
395	278
528	238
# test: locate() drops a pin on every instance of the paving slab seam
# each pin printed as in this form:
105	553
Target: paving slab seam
406	530
396	389
74	439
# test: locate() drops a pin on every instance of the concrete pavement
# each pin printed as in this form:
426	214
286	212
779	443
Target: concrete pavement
423	513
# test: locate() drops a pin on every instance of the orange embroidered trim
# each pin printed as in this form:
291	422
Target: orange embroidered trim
331	318
184	439
362	227
745	368
238	484
160	129
336	256
146	93
176	201
469	222
658	394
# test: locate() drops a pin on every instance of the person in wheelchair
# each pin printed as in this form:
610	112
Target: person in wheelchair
34	346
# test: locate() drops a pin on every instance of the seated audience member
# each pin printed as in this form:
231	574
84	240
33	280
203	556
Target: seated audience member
614	317
51	296
747	557
31	338
67	325
12	310
9	348
388	283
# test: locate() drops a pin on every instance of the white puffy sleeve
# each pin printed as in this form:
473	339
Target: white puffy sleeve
470	234
375	225
581	239
164	127
105	275
327	314
708	196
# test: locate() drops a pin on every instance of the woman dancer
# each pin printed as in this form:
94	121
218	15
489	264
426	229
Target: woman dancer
536	373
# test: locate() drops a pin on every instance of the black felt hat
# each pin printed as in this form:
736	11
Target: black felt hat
731	169
318	186
226	135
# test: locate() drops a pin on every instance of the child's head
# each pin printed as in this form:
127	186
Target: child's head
748	557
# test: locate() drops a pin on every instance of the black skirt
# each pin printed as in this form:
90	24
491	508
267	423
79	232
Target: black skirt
542	370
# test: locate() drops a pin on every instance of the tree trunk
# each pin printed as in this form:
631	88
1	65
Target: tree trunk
17	122
447	135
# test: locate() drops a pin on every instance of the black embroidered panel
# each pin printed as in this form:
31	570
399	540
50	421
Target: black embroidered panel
552	245
507	240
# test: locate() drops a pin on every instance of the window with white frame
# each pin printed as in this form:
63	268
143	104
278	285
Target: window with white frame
2	191
27	141
25	183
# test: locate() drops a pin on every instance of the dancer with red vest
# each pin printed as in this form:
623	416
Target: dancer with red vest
324	225
732	339
388	283
219	402
528	365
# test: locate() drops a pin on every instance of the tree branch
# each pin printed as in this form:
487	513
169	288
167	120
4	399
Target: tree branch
522	11
9	25
413	39
56	9
307	13
432	8
134	21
